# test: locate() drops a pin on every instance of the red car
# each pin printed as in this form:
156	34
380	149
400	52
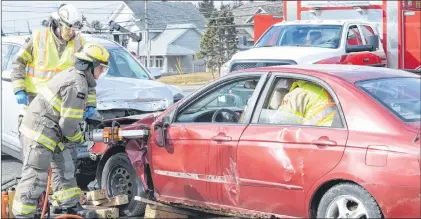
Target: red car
225	147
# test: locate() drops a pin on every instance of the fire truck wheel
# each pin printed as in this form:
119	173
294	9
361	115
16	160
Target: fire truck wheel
120	178
348	200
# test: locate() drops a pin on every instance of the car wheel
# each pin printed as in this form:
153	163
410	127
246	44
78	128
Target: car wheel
347	200
120	178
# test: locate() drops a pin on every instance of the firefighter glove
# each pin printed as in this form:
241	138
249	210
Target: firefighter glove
89	112
21	97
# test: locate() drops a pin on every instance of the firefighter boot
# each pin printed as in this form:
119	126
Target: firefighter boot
83	212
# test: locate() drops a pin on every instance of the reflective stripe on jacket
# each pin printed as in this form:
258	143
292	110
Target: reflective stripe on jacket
310	102
54	116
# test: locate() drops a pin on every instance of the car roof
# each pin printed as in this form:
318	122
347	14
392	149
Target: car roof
350	73
321	22
109	44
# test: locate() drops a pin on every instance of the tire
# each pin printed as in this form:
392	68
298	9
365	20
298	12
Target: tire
84	180
354	196
118	167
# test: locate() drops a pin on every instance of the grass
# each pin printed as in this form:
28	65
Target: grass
192	78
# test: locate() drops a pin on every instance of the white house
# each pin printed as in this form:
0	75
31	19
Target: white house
175	29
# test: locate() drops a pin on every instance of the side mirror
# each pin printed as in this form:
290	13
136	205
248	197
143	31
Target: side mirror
361	48
373	41
160	129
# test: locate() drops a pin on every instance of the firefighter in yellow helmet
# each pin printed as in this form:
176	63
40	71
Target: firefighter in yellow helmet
48	51
51	127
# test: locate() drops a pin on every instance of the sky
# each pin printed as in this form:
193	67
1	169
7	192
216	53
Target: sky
15	15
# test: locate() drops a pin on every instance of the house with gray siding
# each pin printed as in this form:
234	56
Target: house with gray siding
175	30
244	16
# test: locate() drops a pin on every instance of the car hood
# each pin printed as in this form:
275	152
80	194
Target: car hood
301	55
130	93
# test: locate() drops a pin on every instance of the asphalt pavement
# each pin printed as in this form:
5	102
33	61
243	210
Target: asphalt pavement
11	167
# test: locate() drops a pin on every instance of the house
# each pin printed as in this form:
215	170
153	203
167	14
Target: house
243	16
175	30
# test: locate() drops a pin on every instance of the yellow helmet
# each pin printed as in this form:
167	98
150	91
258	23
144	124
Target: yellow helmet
95	53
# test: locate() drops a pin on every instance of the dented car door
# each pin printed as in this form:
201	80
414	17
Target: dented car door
278	162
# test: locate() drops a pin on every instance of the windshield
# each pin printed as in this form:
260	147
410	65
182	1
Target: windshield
122	64
326	36
400	95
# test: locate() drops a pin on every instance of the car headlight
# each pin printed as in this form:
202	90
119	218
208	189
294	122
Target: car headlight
178	97
225	68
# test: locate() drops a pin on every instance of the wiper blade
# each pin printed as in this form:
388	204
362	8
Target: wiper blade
417	136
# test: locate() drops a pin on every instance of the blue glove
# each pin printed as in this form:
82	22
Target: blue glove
21	97
89	112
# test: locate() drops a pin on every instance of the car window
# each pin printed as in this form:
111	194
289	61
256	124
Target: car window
401	96
122	64
233	96
326	36
367	31
289	103
12	56
354	36
5	54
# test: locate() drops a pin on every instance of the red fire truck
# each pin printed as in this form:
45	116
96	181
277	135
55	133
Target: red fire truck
398	24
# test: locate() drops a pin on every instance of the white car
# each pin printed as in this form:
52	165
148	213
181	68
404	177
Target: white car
127	89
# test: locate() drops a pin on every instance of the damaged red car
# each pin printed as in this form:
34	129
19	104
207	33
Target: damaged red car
227	148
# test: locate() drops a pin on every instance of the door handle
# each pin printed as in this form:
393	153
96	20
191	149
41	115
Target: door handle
366	59
221	138
324	142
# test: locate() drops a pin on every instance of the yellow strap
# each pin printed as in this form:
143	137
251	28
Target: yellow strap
71	113
66	194
78	137
24	209
91	98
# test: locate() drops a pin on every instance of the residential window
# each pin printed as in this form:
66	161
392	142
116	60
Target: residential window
159	62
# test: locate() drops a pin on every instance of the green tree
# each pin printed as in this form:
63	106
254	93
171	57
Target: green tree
206	7
237	3
219	43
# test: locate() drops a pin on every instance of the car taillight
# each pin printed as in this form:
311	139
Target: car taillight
333	60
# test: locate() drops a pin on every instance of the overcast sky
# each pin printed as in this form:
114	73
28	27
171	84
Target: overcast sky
16	14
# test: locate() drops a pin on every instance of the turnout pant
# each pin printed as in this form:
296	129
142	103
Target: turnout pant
37	160
31	97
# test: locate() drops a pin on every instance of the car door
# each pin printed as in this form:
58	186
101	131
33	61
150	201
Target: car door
192	165
278	161
354	38
10	108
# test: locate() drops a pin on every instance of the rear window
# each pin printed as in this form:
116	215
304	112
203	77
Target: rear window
400	95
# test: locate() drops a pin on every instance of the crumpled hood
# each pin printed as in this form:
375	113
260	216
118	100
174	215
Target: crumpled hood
301	55
120	89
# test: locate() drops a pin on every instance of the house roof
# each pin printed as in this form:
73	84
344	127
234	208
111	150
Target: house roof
162	44
245	12
162	13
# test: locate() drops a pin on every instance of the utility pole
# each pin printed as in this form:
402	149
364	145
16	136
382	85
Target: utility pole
147	34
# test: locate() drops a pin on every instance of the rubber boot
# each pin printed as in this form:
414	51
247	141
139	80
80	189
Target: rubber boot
83	212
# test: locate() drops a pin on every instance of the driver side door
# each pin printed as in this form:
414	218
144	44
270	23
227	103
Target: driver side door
192	165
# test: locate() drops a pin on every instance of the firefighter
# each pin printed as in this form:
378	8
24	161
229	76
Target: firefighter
51	123
47	52
309	102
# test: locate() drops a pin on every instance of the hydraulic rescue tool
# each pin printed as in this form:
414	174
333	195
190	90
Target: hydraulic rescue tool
113	134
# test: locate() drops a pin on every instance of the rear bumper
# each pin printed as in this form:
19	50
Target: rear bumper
397	201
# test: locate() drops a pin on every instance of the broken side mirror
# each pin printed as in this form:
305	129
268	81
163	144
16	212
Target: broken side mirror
160	130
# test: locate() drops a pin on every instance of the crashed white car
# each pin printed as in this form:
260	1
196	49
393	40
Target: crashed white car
127	89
